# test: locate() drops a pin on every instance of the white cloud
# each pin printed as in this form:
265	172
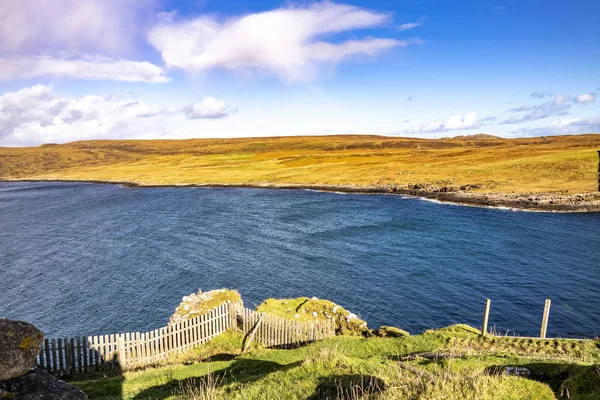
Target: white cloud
41	38
90	26
286	42
539	111
209	108
570	126
411	25
541	95
586	98
557	107
468	121
562	98
88	67
36	115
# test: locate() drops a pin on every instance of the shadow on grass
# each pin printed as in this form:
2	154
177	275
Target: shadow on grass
338	387
241	370
567	381
108	374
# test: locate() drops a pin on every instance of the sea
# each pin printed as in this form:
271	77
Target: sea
80	259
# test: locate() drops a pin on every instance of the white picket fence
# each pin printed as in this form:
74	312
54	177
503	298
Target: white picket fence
69	356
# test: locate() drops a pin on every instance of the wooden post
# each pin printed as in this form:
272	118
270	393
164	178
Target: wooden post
486	316
599	170
251	334
545	319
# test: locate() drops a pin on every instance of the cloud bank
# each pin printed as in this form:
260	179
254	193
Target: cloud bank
79	39
287	42
86	67
36	115
457	122
558	107
572	126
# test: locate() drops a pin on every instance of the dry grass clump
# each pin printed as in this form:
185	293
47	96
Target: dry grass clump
203	388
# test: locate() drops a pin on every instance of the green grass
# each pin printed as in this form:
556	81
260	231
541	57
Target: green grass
353	367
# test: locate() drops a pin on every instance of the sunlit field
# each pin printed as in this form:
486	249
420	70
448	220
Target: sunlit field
558	164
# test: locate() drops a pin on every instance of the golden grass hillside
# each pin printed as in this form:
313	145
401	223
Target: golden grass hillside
557	164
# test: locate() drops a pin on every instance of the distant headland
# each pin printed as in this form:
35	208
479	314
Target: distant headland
554	173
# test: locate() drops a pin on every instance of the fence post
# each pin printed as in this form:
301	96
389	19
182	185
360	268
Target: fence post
545	319
122	354
486	316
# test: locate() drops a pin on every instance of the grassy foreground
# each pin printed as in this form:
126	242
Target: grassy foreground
558	164
460	365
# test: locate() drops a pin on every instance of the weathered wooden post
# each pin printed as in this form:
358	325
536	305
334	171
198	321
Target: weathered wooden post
545	319
486	316
599	170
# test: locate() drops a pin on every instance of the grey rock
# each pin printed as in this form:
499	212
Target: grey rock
37	384
20	344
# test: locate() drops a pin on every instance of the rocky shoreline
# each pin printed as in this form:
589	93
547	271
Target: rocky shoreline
463	195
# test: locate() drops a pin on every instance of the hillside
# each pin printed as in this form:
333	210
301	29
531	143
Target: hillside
450	363
557	166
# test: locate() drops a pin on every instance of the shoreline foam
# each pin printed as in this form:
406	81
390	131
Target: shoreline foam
584	202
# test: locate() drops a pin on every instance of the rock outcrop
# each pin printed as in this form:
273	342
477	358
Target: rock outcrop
200	303
37	384
20	344
304	309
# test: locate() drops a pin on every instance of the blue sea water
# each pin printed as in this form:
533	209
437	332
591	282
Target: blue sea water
85	259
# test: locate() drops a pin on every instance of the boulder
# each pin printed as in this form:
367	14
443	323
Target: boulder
37	385
20	344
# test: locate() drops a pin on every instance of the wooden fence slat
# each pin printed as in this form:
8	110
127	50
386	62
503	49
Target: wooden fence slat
103	351
72	368
68	360
136	348
128	348
113	350
48	360
160	344
171	338
40	358
192	342
79	366
84	345
60	357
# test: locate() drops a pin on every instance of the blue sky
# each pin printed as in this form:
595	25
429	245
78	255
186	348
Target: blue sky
106	69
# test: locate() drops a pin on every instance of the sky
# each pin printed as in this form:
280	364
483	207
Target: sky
174	69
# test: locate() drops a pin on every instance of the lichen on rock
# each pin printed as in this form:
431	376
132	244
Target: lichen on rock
20	344
200	303
304	309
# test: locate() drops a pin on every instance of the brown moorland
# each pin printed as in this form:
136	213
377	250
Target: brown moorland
475	166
